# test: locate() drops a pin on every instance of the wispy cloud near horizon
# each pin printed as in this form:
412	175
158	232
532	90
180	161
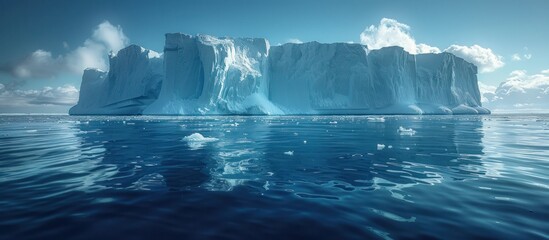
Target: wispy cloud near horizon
520	92
66	95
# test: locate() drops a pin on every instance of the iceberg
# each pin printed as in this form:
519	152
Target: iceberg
132	83
206	75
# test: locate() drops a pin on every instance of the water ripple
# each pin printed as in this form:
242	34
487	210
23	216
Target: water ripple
455	177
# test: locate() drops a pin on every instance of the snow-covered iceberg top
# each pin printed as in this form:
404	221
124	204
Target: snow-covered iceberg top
200	75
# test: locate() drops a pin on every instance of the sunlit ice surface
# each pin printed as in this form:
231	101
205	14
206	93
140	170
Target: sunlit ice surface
234	177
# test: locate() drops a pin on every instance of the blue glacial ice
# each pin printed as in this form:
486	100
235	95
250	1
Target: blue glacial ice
206	75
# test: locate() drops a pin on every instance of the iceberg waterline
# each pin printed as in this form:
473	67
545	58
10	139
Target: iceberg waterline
206	75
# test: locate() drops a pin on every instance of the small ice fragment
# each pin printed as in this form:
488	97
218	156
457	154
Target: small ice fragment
304	141
406	131
289	153
197	137
380	146
197	141
375	119
390	146
407	148
333	122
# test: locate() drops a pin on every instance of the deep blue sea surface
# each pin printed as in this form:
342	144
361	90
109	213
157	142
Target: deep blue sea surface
300	177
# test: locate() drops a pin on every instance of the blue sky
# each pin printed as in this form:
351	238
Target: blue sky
509	29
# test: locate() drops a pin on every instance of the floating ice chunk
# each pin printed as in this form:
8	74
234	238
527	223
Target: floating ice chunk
197	137
304	141
197	141
289	153
333	122
375	119
406	131
380	146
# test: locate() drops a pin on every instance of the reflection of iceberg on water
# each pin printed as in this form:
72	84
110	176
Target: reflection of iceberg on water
344	158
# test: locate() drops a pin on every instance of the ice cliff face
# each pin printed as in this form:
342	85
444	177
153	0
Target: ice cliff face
313	78
208	75
447	84
132	83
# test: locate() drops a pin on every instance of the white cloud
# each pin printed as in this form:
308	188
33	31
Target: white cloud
61	96
111	36
424	48
521	92
390	32
517	74
92	53
40	63
519	80
483	58
522	56
294	40
486	91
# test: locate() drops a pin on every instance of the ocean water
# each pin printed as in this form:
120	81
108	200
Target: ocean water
295	177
